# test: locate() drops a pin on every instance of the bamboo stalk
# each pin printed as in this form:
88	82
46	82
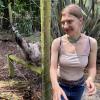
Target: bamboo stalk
45	6
10	12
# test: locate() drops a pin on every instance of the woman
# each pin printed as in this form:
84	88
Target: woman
70	54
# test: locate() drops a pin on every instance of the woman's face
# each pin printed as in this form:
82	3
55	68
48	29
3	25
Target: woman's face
71	24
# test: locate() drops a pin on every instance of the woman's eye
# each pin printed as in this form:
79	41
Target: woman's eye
62	23
69	22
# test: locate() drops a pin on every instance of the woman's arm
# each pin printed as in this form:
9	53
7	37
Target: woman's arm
54	62
92	59
92	67
57	90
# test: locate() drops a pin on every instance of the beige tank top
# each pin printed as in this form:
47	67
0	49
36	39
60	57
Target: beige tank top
72	65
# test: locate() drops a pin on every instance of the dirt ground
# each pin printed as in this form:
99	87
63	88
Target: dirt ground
26	85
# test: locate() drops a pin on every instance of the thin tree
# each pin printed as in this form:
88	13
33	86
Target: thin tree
45	44
6	21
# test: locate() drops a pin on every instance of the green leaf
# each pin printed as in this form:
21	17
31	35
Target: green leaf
1	4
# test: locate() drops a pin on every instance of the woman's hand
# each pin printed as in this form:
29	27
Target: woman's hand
90	86
58	92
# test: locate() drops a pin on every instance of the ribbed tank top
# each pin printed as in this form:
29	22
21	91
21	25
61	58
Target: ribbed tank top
72	65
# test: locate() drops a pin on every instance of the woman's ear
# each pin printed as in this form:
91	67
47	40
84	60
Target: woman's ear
81	23
81	20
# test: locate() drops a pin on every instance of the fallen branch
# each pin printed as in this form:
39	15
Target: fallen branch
13	58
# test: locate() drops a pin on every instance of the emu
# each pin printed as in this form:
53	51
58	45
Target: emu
31	50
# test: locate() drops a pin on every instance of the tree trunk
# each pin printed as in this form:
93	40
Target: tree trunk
45	6
10	13
6	21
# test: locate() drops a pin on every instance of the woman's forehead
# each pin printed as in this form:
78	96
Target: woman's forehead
72	10
67	16
66	13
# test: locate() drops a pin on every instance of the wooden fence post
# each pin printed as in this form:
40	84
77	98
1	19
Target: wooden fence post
10	67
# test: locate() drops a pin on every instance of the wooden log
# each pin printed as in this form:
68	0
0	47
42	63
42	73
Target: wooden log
11	67
12	58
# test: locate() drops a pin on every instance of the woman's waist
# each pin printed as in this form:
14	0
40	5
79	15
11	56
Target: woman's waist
72	82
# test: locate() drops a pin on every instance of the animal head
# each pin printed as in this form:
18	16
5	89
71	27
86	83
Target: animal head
34	51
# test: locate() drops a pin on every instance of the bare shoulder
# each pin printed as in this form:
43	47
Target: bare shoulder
56	42
93	43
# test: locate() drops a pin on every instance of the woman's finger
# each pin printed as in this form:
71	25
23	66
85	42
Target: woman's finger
55	96
87	84
92	87
64	95
92	92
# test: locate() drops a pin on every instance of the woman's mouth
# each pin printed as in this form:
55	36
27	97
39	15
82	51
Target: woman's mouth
68	30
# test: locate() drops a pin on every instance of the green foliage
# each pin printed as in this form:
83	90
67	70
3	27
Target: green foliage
91	18
24	25
1	7
1	4
26	13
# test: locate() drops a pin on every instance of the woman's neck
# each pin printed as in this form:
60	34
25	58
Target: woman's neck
74	38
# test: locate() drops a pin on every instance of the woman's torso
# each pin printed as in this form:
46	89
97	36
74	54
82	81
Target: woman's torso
73	58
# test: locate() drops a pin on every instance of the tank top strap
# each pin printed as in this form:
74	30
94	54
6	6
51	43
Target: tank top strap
89	43
59	49
60	42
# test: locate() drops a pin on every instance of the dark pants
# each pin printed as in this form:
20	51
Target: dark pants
73	92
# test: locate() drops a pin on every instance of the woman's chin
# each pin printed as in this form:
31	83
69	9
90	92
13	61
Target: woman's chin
69	33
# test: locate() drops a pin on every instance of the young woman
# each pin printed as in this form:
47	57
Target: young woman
70	55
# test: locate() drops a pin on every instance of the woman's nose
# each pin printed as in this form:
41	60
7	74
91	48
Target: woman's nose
65	25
